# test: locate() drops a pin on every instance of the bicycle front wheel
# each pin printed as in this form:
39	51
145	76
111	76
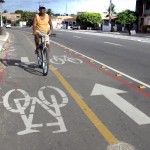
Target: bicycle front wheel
39	59
45	61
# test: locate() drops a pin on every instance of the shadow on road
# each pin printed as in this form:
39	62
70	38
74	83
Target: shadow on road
29	67
53	35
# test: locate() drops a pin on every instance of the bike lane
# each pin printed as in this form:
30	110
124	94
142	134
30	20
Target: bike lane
36	112
66	109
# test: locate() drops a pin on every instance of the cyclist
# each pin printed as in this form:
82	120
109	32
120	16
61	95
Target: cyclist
42	26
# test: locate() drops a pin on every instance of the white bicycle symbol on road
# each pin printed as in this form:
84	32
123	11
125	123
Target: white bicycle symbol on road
52	108
63	59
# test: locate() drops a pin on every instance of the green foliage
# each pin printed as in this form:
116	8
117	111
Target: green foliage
25	15
73	15
126	17
49	12
4	19
5	11
89	18
56	14
19	11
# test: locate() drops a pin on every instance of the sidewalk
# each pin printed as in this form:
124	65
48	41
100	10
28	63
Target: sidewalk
3	39
143	35
140	37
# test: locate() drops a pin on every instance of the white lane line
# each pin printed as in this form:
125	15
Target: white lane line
113	43
59	33
24	60
77	37
133	79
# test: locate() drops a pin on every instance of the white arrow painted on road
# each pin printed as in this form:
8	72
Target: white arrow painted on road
112	94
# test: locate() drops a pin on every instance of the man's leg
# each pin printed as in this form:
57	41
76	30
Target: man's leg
48	43
36	37
48	46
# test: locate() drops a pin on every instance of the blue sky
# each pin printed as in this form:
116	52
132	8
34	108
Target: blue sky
73	6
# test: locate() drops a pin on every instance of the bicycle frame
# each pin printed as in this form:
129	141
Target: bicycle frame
43	42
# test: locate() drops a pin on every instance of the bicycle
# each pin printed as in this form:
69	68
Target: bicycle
43	56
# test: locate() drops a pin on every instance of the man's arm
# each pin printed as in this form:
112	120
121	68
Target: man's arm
51	26
34	24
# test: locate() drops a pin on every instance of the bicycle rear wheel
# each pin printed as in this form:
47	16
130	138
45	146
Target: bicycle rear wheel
45	61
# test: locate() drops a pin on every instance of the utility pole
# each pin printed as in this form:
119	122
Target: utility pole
110	11
66	7
110	15
41	2
143	9
1	30
1	1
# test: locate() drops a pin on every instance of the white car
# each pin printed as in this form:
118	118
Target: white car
8	25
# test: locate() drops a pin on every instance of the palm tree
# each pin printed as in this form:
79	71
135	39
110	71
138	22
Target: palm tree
49	12
111	10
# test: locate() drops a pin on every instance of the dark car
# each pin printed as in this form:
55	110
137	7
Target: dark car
75	27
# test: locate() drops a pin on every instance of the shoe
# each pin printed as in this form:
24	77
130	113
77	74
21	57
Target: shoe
36	51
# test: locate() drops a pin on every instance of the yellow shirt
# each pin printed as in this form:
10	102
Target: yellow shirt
42	24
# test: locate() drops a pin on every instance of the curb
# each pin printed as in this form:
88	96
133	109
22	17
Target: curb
2	41
7	36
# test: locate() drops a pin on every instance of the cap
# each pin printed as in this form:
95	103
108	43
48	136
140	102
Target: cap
41	7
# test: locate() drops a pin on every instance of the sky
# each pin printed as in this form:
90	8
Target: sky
73	6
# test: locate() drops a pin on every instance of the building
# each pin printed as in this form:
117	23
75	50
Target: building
12	16
143	11
66	20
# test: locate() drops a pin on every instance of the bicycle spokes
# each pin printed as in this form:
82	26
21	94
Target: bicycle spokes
45	62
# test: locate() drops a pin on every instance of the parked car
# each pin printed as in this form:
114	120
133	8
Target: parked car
75	27
8	25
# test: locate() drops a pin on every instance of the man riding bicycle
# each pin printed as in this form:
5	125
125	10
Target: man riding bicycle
42	27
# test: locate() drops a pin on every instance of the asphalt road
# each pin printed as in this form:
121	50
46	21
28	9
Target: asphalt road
80	105
128	56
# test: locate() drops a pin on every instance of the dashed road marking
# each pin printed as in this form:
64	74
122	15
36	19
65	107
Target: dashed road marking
24	60
77	37
113	43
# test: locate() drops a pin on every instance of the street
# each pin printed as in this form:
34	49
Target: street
95	96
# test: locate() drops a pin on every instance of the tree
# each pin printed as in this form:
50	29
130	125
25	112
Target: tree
49	12
5	11
73	15
126	17
57	14
89	19
25	15
19	12
4	19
